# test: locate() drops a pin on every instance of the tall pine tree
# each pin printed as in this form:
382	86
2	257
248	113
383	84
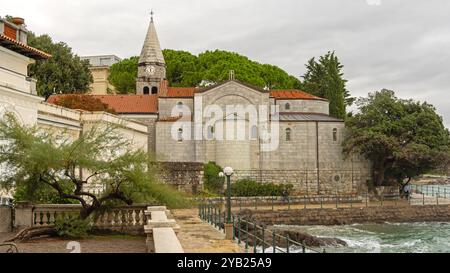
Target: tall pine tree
324	78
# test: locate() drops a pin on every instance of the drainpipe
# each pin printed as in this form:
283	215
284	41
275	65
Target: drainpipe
317	158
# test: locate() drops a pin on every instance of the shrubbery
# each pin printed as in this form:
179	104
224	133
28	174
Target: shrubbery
72	227
212	181
247	188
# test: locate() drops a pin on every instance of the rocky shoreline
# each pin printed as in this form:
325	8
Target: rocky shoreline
292	233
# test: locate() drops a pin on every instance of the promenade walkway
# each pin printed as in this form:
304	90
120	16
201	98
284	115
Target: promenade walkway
197	236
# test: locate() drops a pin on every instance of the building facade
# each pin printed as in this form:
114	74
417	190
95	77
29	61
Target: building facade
306	148
18	95
99	67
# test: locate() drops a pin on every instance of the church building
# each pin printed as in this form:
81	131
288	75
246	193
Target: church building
306	141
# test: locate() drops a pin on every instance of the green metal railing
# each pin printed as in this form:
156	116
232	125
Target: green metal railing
252	237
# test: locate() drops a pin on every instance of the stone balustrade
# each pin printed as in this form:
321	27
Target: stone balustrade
161	230
130	219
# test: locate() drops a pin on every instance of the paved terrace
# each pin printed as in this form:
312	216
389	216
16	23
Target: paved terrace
197	236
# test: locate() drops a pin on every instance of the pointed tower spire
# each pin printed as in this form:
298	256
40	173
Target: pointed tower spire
151	51
152	66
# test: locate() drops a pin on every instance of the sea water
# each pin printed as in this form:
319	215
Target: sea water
387	237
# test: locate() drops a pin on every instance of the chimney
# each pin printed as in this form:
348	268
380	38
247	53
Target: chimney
18	21
163	88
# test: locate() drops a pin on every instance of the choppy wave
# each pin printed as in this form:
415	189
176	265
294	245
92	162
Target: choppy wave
388	237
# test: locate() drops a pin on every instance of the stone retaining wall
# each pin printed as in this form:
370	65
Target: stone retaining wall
345	216
307	182
186	176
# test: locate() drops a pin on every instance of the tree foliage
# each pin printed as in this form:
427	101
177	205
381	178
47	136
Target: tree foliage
187	70
212	181
63	73
123	75
324	78
402	138
83	102
36	159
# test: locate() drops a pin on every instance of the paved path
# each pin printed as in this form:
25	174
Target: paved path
197	236
92	244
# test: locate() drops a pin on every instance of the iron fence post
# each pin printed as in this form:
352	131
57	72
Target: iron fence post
423	198
254	238
289	203
272	203
303	247
287	243
246	235
263	241
274	243
239	229
321	202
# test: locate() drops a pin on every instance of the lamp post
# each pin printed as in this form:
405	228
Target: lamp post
228	172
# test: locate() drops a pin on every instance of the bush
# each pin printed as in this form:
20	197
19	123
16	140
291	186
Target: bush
212	181
72	227
248	188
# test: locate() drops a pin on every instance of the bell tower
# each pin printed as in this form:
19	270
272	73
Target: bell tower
152	66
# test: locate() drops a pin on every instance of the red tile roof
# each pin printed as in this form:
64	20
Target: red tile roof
138	104
293	94
22	48
180	92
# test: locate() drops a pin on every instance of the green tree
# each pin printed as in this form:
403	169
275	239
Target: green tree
187	70
211	178
64	72
402	138
324	78
123	75
37	160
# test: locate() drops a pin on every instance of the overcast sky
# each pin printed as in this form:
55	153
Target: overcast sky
396	44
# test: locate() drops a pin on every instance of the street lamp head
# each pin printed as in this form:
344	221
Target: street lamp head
228	171
221	174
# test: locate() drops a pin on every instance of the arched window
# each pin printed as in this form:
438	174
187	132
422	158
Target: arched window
287	106
180	105
335	136
146	90
154	90
180	135
288	134
210	132
254	132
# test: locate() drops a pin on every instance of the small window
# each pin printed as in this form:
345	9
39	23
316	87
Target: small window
288	134
254	132
180	135
287	106
335	131
154	90
146	90
180	105
210	132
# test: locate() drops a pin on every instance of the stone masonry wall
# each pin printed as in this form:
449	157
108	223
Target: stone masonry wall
347	216
186	176
305	181
5	219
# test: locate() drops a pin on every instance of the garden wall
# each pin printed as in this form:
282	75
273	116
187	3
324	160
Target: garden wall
5	219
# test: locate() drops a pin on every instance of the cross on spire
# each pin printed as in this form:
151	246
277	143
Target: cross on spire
151	14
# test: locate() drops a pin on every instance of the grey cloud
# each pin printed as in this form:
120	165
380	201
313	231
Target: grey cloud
400	45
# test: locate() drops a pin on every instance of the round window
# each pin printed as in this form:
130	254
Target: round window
337	178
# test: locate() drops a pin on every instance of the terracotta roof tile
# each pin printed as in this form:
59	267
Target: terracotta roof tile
293	94
180	92
22	48
138	104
